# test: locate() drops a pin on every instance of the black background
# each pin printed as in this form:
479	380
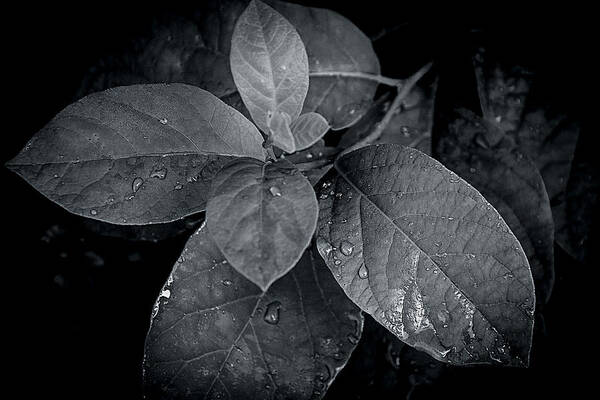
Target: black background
78	304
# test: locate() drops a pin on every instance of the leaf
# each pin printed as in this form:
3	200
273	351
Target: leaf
214	333
334	45
309	129
281	133
410	127
420	250
269	65
513	101
194	48
315	161
137	154
503	89
262	216
513	185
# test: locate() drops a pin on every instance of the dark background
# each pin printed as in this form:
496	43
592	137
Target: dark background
78	304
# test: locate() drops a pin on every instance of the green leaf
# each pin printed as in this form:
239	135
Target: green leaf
427	256
335	47
137	154
269	66
262	216
214	333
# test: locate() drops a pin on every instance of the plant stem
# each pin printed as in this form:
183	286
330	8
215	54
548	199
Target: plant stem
359	75
394	107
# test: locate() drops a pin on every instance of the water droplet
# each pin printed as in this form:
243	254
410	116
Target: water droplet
352	338
324	246
159	173
275	191
272	313
179	186
363	272
309	156
136	184
93	212
346	248
163	121
226	282
337	262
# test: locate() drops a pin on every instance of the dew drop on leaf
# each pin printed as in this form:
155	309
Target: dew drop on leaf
275	191
227	282
363	272
163	121
136	184
272	313
346	248
159	173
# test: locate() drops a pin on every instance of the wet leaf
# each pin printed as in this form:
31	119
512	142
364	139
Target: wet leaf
269	65
334	45
518	115
411	126
427	256
138	154
195	49
214	333
262	216
511	182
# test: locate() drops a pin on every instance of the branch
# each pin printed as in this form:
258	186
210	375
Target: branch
394	107
359	75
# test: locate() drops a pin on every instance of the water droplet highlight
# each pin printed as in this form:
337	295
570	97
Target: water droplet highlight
136	184
346	248
275	191
363	272
272	313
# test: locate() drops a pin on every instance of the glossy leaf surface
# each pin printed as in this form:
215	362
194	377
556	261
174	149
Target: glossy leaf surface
427	256
214	334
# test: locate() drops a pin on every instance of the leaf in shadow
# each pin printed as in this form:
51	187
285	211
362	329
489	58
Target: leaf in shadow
511	182
269	65
262	216
411	126
138	154
421	251
193	47
214	333
514	103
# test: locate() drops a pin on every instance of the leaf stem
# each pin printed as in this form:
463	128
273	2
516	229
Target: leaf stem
394	107
359	75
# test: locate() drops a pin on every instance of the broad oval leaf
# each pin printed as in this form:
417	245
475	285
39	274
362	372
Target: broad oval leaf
214	333
262	216
427	256
136	154
269	65
334	45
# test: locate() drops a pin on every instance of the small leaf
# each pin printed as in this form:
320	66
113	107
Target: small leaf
269	65
281	133
262	216
137	154
334	45
308	129
420	250
215	333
